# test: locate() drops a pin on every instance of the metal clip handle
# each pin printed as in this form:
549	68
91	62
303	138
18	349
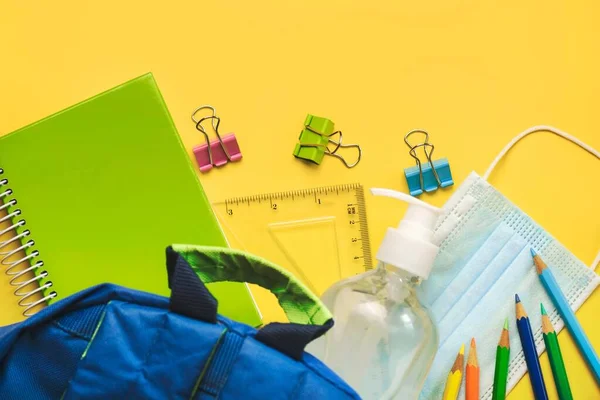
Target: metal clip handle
337	144
426	146
216	129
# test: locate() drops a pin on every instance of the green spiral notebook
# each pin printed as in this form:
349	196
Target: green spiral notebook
104	187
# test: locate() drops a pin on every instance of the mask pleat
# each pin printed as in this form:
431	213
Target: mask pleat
492	252
452	257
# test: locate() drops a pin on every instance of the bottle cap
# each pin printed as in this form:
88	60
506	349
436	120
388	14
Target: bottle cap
410	246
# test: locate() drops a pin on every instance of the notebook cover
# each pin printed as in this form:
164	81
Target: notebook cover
105	186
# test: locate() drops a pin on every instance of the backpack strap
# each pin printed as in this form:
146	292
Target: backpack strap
189	267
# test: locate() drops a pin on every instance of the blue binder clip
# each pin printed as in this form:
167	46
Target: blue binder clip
429	176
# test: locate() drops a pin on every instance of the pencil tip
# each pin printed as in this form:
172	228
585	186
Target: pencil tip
533	253
543	309
506	323
517	299
462	349
473	354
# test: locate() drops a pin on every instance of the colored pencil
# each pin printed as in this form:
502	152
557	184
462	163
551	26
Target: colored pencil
531	359
455	376
556	361
568	316
472	374
502	357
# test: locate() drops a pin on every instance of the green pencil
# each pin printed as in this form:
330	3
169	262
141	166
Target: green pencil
502	357
556	361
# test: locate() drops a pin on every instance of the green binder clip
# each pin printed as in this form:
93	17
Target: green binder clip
315	138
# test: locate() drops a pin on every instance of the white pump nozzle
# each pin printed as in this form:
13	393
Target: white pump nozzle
410	246
404	197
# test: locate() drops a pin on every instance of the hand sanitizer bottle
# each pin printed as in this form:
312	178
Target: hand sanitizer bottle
384	340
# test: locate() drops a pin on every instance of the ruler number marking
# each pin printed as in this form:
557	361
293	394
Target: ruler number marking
228	209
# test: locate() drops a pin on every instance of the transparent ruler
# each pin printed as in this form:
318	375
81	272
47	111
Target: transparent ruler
320	234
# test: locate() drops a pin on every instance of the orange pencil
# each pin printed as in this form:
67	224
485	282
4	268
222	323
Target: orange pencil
472	371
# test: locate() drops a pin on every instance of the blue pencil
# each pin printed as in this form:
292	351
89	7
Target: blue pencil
568	316
531	358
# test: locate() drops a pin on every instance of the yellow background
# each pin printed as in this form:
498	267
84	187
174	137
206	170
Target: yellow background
474	73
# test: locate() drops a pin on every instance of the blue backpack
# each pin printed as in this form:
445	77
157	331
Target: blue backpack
109	342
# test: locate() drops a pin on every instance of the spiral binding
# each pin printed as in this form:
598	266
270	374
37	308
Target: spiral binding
22	291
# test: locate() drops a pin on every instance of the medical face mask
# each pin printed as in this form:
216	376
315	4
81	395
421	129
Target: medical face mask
484	260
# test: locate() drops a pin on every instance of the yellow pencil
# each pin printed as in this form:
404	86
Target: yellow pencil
455	376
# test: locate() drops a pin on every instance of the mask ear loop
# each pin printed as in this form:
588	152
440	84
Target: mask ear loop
596	261
556	131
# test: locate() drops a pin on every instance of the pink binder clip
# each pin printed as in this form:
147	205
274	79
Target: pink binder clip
217	152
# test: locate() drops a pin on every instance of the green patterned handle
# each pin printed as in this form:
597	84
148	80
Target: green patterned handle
217	264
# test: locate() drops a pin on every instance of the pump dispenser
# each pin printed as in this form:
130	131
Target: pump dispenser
410	246
384	340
